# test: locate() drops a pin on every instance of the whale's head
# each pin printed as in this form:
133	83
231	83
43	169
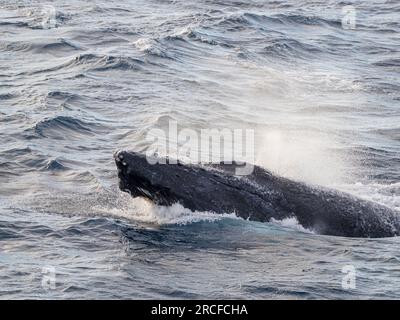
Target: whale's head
147	177
166	181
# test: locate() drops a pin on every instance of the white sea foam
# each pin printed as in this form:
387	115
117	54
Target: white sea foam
144	211
386	194
291	223
144	44
151	46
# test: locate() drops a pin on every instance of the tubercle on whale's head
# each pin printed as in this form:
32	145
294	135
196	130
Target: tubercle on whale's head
141	176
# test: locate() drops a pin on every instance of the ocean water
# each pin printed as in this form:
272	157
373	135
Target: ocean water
319	81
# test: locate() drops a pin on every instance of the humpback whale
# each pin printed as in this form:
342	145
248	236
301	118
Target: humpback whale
260	196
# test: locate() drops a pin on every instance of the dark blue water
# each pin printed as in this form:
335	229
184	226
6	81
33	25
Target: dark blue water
81	80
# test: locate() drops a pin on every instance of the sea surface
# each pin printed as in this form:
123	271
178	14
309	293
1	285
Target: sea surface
318	81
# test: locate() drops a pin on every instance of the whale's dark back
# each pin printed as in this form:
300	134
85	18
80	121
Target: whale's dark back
332	212
259	196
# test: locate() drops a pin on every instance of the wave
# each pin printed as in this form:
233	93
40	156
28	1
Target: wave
59	46
93	62
19	24
6	96
254	30
104	62
152	47
61	123
290	47
62	95
15	46
389	63
205	38
26	159
308	20
107	62
10	231
65	127
249	19
55	165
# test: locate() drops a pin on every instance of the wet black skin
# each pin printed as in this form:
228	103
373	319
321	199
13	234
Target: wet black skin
258	197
